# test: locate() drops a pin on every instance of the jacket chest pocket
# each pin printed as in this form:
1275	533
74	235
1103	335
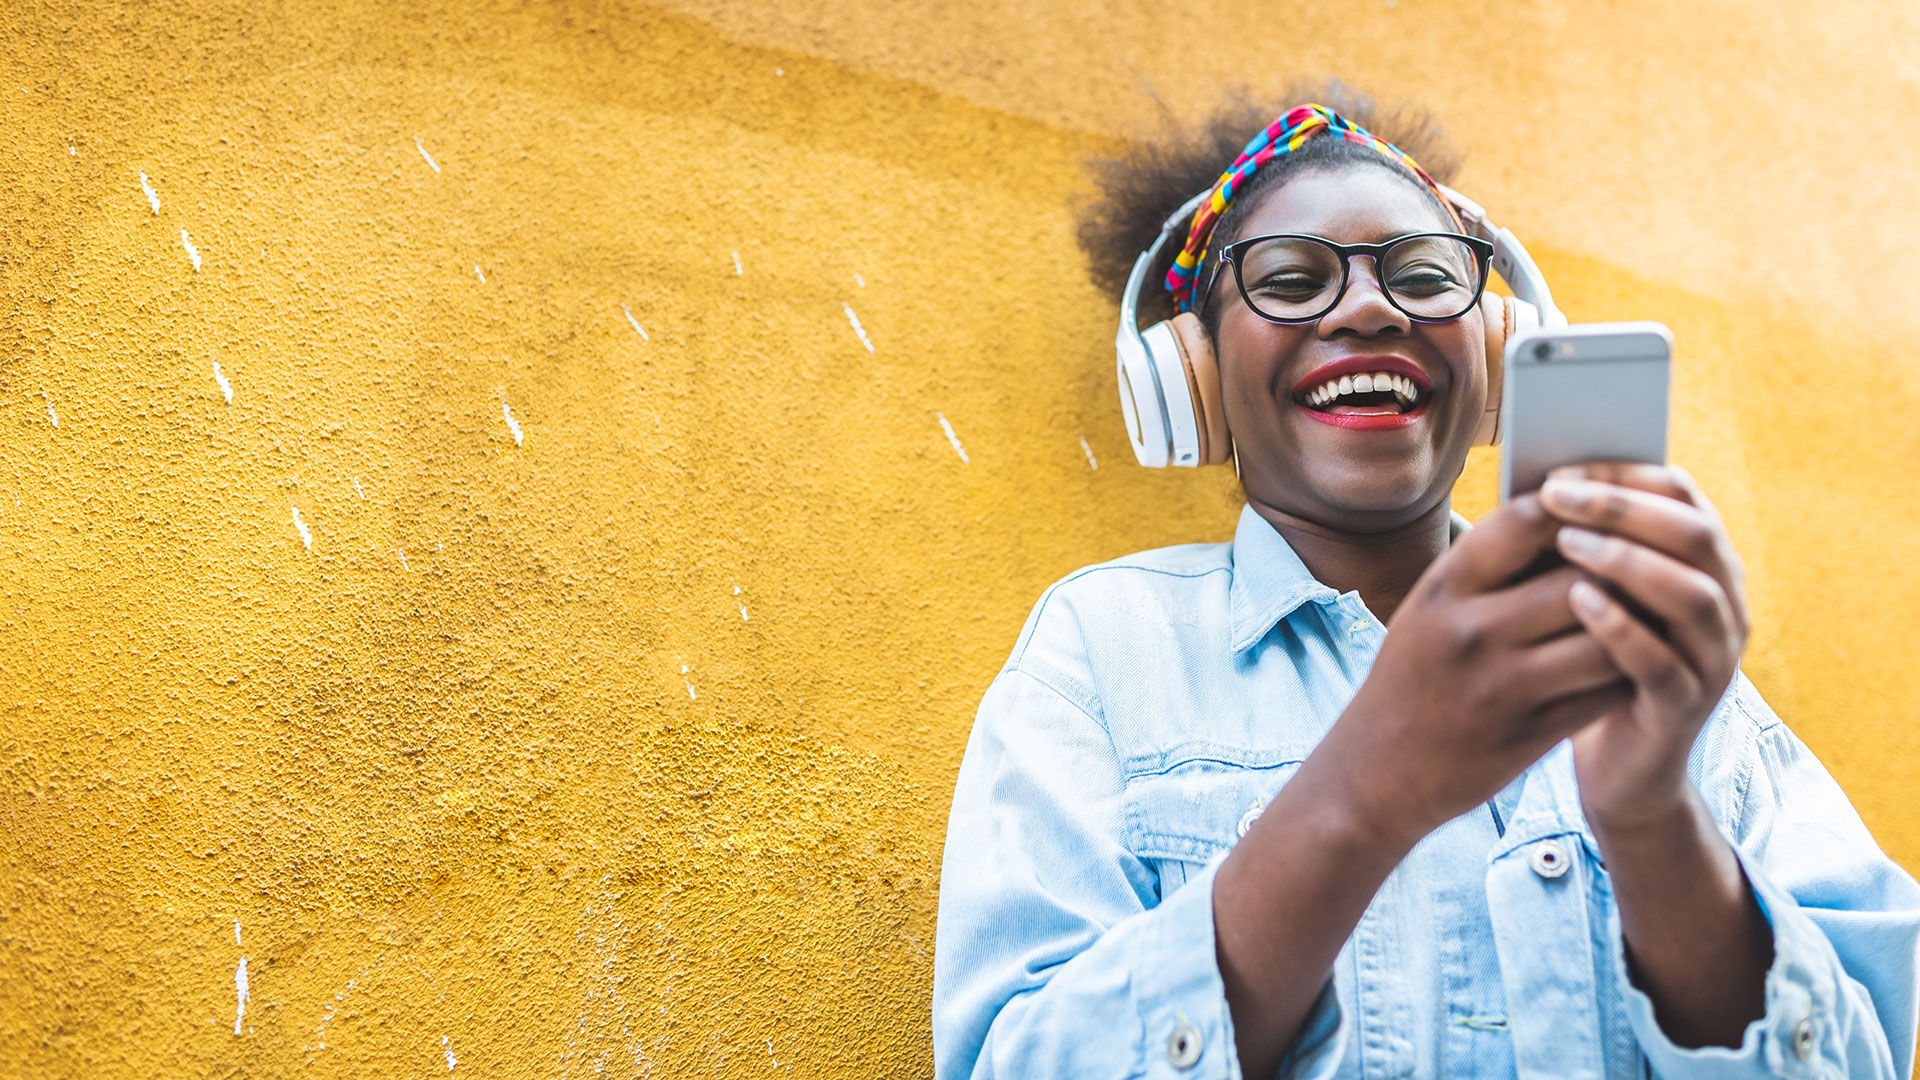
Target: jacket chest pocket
1180	818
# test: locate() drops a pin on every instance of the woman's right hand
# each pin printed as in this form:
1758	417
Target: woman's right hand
1482	671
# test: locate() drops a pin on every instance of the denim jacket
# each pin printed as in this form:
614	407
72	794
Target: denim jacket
1151	708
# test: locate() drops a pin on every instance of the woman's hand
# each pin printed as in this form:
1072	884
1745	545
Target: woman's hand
1650	537
1483	670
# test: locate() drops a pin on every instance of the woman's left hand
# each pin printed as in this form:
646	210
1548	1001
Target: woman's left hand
1648	534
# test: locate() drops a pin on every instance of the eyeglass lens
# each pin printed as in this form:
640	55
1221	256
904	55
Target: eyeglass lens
1297	278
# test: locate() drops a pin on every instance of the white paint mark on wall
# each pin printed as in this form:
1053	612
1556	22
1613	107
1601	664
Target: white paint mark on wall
153	199
424	154
221	378
358	488
478	274
952	438
512	424
858	280
51	415
306	536
403	560
637	328
854	321
320	1033
70	148
192	252
683	674
239	994
1089	453
776	1061
451	1060
737	272
742	603
776	71
236	931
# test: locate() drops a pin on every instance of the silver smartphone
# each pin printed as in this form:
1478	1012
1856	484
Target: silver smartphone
1589	392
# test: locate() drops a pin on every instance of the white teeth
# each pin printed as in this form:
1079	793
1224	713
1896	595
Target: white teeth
1378	382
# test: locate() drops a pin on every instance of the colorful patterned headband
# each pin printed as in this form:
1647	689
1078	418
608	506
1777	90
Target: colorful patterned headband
1293	129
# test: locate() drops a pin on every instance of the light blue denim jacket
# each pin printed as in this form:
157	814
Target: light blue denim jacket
1154	704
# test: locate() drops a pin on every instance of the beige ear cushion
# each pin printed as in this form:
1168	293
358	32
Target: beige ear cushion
1497	313
1203	386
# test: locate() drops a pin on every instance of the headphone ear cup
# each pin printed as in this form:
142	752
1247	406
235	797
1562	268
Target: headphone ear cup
1203	386
1497	313
1505	316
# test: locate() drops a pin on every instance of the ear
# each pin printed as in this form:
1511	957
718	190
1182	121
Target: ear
1497	312
1203	387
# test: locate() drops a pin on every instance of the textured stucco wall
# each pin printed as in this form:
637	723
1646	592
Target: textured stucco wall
616	739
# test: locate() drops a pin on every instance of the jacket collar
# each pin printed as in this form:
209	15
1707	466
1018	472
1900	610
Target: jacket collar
1269	580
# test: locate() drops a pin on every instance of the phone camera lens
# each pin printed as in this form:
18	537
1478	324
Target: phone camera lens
1543	351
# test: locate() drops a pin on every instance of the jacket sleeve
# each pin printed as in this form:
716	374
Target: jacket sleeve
1841	991
1054	953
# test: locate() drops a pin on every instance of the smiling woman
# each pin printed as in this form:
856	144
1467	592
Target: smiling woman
1214	819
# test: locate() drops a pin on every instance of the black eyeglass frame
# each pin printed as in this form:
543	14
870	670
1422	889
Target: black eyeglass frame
1483	249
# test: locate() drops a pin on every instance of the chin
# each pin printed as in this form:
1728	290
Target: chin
1397	498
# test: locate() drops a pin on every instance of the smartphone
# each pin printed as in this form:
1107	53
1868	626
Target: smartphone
1589	392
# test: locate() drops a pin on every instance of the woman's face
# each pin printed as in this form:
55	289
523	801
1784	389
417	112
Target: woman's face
1353	468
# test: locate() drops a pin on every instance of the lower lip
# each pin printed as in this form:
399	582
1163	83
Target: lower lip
1362	422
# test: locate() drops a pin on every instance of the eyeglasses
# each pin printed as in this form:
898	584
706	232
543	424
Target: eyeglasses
1294	278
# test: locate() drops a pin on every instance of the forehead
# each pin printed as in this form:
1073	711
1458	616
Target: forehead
1358	204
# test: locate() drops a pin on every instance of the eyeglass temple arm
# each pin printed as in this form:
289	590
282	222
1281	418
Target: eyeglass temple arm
1510	258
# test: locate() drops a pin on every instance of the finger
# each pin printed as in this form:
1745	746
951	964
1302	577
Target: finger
1569	664
1650	662
1564	716
1533	610
1668	480
1659	521
1500	547
1736	579
1698	615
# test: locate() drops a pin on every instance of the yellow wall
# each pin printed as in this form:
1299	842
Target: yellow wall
623	746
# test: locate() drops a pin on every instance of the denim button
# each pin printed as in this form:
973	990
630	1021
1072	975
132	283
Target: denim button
1246	821
1803	1038
1183	1048
1549	859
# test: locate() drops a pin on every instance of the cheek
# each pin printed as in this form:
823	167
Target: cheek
1251	352
1463	345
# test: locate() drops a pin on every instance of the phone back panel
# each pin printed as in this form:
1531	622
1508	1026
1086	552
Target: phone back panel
1599	395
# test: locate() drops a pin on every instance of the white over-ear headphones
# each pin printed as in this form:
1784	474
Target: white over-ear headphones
1170	383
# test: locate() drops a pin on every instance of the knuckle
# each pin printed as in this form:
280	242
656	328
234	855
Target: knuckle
1701	601
1670	679
1465	636
1700	541
1612	505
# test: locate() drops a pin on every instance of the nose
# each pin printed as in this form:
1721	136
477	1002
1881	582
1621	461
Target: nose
1362	307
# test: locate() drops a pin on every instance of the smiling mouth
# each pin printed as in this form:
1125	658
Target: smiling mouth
1367	394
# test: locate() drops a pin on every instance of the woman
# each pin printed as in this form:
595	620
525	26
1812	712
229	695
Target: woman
1214	820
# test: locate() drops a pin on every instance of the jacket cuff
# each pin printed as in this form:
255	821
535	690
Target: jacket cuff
1796	1038
1183	1005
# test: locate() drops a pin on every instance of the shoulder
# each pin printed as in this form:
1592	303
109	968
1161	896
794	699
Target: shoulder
1747	758
1133	591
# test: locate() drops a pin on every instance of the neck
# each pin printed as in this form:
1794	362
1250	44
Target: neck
1380	566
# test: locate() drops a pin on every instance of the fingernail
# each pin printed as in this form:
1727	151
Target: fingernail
1586	599
1579	543
1569	472
1567	494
